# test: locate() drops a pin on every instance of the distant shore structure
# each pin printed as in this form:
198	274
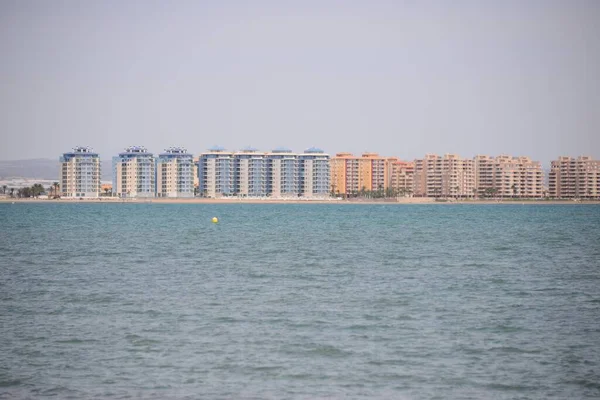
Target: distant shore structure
80	173
175	173
284	174
134	174
249	172
574	178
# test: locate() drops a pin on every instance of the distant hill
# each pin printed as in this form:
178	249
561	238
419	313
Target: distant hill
41	168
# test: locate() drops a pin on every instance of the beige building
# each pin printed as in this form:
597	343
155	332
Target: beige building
574	178
447	176
400	176
80	173
134	173
506	176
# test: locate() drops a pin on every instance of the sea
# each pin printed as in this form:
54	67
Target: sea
299	301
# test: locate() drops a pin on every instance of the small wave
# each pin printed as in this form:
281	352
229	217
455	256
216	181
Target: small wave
137	340
508	387
586	383
10	382
75	341
227	319
501	248
329	351
516	350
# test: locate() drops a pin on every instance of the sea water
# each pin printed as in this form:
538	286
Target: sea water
299	301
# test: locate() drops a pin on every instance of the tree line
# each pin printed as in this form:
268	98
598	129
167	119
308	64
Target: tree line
35	191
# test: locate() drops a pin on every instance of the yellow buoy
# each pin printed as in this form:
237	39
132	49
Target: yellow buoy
215	220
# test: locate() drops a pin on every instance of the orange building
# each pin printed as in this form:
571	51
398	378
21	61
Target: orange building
351	174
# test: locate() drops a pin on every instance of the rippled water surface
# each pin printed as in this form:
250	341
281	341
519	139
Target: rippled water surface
299	301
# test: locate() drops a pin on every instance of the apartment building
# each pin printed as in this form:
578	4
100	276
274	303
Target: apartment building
506	176
447	176
574	178
283	178
314	173
216	173
280	173
134	173
400	176
250	173
175	173
351	174
80	173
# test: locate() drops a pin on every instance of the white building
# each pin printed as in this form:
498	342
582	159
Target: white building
280	173
314	173
175	173
80	173
215	173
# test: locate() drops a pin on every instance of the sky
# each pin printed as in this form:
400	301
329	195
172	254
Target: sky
401	78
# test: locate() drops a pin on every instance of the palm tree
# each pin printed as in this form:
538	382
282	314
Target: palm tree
474	192
12	192
4	189
36	190
514	190
457	189
56	187
363	191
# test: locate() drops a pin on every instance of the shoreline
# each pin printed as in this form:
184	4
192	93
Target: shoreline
412	200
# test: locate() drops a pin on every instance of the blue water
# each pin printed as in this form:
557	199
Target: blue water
299	301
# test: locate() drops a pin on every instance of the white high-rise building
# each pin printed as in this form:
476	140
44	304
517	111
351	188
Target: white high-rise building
134	173
216	173
80	173
175	173
283	173
280	173
314	173
250	173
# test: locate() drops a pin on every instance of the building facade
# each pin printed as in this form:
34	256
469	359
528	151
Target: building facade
351	175
280	173
400	176
447	176
283	178
175	173
216	173
80	173
250	173
134	173
506	176
314	173
574	178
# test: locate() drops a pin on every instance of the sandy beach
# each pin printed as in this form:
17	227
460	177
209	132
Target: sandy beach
411	200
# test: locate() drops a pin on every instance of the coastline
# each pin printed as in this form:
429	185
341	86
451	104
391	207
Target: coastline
412	200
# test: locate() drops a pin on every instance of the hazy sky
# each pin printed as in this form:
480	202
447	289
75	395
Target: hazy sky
401	78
